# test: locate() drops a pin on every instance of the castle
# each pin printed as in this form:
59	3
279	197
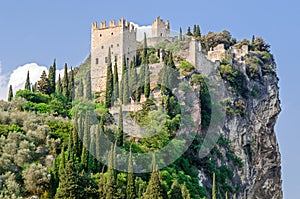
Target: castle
121	38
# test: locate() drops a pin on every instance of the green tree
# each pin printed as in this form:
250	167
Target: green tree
10	93
65	83
133	76
130	188
27	83
68	184
189	32
88	87
110	186
116	82
154	189
185	192
52	77
71	85
109	82
180	34
80	89
101	187
59	86
198	32
175	192
62	161
43	84
195	30
126	96
120	135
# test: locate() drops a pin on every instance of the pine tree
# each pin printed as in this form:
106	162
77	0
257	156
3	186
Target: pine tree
71	85
116	82
189	32
65	83
51	77
43	84
88	87
120	135
175	192
80	89
68	184
130	188
59	86
27	83
10	93
109	82
180	34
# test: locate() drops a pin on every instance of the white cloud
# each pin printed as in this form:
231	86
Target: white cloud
18	77
141	30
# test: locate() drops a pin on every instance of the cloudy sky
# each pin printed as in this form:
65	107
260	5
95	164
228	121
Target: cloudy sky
35	31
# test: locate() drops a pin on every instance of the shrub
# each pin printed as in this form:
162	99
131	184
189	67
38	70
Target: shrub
35	97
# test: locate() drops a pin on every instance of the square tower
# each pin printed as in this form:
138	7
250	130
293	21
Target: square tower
160	28
121	39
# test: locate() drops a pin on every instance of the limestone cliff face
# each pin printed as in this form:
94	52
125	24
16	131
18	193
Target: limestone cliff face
253	137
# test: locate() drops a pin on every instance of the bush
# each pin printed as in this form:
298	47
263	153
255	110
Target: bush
186	67
35	97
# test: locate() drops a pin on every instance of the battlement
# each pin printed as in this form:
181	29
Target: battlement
160	28
112	24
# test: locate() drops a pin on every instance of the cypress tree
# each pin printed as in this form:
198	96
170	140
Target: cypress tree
120	136
116	82
68	184
88	87
59	86
121	92
51	77
147	81
130	188
43	84
173	74
110	187
71	85
198	32
27	83
189	32
70	151
65	83
80	90
154	189
86	142
175	192
195	30
126	96
91	161
10	93
62	161
180	34
133	77
109	82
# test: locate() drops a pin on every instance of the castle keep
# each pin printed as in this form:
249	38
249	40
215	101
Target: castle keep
121	38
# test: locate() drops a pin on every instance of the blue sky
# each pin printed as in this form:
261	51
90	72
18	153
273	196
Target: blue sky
39	31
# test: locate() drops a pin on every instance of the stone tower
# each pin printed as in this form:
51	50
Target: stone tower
160	28
121	39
